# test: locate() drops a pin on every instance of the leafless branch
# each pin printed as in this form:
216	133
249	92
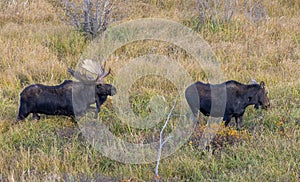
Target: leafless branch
91	17
162	142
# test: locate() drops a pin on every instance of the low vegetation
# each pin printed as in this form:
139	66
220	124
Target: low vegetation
36	46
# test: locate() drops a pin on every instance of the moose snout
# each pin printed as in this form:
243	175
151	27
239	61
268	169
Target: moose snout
113	91
267	105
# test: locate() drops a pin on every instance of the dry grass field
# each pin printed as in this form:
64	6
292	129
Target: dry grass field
36	46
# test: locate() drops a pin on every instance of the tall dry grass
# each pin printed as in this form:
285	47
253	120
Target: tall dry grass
37	47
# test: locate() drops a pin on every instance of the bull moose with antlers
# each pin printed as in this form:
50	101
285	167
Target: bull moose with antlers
70	98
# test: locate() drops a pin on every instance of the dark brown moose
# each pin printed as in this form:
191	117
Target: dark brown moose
237	98
70	98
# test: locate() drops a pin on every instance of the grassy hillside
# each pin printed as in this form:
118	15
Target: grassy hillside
36	46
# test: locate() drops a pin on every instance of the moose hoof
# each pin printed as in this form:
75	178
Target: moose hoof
36	117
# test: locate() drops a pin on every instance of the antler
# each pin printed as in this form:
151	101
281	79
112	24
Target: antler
92	67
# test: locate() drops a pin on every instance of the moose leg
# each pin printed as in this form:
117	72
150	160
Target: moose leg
21	117
238	122
194	107
97	110
195	111
227	120
23	112
100	99
92	109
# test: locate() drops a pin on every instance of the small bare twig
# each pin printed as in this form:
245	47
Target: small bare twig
162	142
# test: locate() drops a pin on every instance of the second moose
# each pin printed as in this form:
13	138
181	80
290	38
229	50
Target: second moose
236	97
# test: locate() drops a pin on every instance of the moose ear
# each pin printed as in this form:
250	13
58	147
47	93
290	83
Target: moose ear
262	84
